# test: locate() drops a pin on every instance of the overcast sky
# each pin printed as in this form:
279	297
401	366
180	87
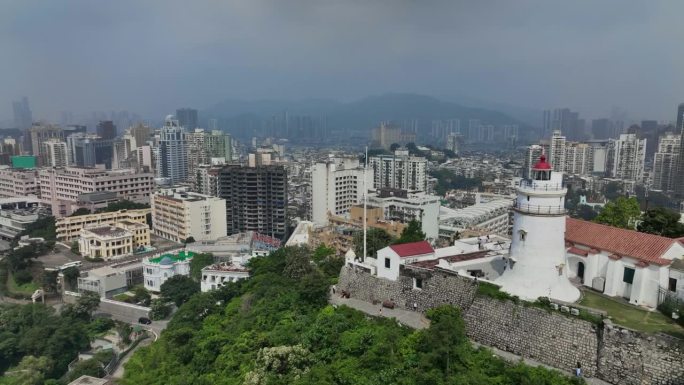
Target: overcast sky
153	56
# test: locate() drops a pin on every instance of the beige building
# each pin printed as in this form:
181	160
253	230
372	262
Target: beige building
69	228
60	188
18	183
140	231
178	214
40	133
106	242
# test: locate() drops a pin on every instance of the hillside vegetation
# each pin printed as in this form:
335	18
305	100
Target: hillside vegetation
277	328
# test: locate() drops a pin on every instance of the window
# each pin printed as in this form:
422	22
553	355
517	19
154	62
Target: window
523	235
628	275
672	285
387	263
528	198
417	283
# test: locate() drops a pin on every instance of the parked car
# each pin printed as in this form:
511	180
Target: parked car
144	321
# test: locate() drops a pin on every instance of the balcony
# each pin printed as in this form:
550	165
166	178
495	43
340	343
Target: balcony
538	210
536	186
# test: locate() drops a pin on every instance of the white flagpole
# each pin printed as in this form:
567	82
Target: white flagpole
365	193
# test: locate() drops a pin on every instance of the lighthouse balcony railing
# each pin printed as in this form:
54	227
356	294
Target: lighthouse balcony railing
537	209
533	185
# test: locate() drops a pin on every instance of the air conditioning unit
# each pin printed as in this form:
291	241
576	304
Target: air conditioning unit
598	284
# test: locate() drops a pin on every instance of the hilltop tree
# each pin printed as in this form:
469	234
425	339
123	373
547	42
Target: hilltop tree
411	233
622	212
662	221
198	262
376	240
179	289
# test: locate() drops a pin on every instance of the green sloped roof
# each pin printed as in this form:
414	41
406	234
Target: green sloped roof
181	256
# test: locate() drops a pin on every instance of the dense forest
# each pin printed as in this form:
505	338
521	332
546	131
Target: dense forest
277	328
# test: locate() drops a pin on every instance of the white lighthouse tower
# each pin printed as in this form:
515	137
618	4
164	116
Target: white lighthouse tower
537	266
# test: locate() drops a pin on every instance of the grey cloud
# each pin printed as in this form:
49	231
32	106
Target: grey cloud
151	56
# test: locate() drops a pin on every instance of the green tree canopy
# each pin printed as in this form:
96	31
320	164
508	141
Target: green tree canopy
141	295
661	221
123	205
179	288
376	240
90	367
198	262
622	212
448	180
411	233
277	328
80	211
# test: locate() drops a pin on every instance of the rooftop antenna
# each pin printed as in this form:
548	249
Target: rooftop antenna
365	193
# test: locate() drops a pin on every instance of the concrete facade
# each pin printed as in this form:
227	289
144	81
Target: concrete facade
69	228
336	185
60	188
15	183
178	214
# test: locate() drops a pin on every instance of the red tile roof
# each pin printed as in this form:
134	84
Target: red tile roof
578	251
628	243
411	249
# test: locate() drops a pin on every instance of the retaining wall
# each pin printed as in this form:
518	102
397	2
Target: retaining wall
611	353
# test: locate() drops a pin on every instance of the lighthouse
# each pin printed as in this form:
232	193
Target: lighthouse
537	265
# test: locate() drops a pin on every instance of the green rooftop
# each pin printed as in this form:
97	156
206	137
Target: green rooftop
180	257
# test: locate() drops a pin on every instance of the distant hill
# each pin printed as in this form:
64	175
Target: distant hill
364	114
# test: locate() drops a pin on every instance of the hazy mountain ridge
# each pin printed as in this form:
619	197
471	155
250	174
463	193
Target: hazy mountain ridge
364	113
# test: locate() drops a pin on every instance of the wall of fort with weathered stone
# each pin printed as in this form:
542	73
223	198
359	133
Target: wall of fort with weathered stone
629	357
609	352
545	336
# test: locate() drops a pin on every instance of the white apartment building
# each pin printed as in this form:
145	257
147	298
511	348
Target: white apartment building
60	188
532	154
158	269
216	275
665	162
557	151
178	214
336	185
628	156
403	207
16	183
55	153
579	159
400	171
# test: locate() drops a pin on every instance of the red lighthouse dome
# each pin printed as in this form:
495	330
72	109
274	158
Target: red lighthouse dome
542	164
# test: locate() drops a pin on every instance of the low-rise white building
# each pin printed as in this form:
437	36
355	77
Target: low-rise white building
492	217
158	269
216	275
624	263
402	206
106	281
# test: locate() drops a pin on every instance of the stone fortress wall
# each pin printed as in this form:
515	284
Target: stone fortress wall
609	352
